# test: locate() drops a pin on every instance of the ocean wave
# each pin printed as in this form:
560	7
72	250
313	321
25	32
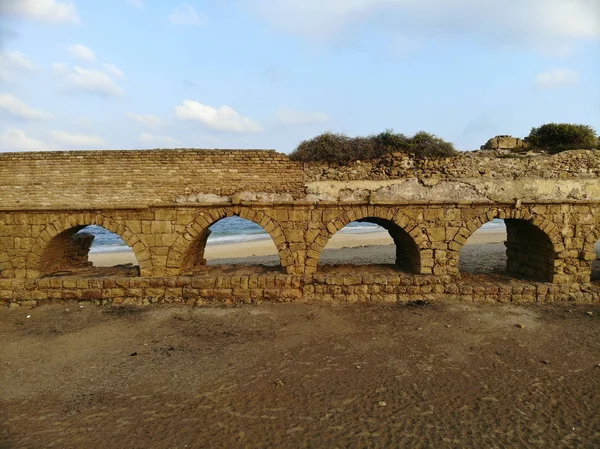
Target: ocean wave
236	238
361	229
109	248
494	224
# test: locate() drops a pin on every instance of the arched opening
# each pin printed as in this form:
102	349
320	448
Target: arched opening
372	241
515	247
92	250
596	264
231	241
485	250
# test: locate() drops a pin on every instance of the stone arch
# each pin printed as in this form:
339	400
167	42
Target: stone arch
544	225
404	230
188	248
7	269
587	254
533	242
591	238
72	224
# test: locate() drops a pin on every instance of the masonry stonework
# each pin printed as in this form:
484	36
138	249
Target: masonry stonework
163	202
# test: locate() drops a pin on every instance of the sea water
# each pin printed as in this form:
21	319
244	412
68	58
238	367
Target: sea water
231	230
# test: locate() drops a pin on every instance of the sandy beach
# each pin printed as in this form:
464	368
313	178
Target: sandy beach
484	252
300	375
303	375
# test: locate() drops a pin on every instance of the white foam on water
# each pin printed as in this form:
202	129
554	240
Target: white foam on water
109	248
239	238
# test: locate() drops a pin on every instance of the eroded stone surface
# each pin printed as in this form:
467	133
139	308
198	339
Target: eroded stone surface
503	143
161	203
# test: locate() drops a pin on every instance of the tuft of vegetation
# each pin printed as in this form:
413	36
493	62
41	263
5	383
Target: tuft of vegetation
342	149
557	137
424	144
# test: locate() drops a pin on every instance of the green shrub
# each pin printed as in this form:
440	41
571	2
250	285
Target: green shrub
424	144
557	137
389	142
339	148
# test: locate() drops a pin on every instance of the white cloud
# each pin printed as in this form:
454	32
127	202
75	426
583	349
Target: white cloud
164	141
90	81
292	117
82	52
507	21
48	11
76	140
149	120
13	63
136	3
186	14
16	60
16	107
60	68
14	139
94	81
224	118
557	77
113	70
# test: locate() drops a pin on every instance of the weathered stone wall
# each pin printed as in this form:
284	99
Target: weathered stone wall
580	164
162	203
358	286
84	179
133	179
555	238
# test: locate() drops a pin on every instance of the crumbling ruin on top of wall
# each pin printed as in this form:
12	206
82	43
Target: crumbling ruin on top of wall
504	142
162	202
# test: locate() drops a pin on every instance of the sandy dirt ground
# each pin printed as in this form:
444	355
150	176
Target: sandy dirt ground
300	375
303	375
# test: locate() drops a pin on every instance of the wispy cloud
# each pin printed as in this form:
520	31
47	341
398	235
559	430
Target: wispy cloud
76	140
148	120
557	77
224	118
160	141
92	81
13	64
49	11
18	108
82	52
14	139
508	21
113	70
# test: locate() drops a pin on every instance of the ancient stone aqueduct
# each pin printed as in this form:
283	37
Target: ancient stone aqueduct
162	202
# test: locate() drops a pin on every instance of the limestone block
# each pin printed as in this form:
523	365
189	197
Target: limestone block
161	227
434	214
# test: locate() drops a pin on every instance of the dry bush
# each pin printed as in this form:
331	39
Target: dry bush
340	148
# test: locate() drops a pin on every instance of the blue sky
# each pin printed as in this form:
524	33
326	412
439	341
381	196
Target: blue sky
128	74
